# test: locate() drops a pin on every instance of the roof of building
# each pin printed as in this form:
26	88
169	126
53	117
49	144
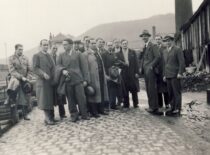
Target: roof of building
60	37
195	15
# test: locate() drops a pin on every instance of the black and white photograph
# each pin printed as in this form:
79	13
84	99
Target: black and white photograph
105	77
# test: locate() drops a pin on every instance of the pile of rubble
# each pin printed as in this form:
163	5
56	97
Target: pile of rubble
197	117
197	81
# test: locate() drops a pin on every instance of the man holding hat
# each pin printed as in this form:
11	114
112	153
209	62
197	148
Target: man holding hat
74	73
174	67
151	59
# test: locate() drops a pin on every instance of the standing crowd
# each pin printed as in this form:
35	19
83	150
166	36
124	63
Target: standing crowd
93	76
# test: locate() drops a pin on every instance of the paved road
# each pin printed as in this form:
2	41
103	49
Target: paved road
134	132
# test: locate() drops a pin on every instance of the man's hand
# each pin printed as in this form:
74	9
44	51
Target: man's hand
65	72
24	79
179	76
137	76
164	79
85	83
107	77
47	77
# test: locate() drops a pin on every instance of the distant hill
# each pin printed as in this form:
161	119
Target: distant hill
125	29
131	29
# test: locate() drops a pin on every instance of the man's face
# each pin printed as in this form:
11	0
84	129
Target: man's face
109	46
54	49
117	43
92	44
87	42
158	40
145	38
19	50
76	46
103	44
44	46
67	46
169	43
100	43
125	44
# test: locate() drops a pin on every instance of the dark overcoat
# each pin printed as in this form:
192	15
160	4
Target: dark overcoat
131	83
161	85
43	63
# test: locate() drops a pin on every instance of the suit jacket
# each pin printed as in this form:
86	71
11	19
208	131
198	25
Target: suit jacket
128	71
75	65
151	57
174	62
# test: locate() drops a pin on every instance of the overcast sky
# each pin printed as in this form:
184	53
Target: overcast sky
29	21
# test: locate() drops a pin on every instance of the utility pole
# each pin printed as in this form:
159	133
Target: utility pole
5	46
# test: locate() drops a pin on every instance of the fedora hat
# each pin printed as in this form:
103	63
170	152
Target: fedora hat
90	91
168	37
145	33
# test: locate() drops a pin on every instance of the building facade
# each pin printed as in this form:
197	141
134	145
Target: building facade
195	36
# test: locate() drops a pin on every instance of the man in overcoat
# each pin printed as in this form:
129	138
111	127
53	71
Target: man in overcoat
74	71
174	67
112	75
150	61
161	85
19	70
102	107
59	100
128	62
43	67
94	80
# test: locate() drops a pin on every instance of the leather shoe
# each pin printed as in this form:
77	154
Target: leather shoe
149	110
86	118
136	106
49	122
157	112
26	118
104	113
74	119
173	113
95	115
55	120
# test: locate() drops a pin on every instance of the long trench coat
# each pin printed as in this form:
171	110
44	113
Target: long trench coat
18	68
93	78
43	63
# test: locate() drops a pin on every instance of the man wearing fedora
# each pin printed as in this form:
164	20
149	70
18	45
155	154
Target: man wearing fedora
174	66
150	61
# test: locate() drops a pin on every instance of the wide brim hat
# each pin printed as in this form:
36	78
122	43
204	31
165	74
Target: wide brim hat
145	33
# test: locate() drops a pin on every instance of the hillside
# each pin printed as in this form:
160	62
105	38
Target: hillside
126	29
131	29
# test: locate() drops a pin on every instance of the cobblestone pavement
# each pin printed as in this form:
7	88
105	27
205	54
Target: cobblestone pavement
134	132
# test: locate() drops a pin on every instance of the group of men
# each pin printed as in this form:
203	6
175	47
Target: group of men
98	76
